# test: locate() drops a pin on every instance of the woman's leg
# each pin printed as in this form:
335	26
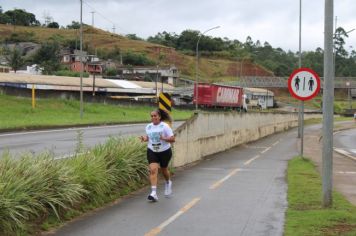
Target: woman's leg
166	174
153	173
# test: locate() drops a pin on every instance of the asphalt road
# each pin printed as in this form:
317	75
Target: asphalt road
238	192
345	142
63	142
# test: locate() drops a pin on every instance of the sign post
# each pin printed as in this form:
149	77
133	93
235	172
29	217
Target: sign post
303	84
165	103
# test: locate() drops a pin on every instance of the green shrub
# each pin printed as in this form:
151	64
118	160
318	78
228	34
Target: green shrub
21	37
32	188
70	73
111	72
338	108
136	59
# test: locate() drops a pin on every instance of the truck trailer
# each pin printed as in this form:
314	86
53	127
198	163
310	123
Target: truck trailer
219	96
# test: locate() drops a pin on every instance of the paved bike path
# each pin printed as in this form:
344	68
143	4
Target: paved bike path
241	191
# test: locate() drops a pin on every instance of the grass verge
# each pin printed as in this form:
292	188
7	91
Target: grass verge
305	215
17	113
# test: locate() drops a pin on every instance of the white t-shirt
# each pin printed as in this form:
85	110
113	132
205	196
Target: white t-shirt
154	132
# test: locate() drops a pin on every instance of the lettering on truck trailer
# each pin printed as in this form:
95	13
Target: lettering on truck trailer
227	95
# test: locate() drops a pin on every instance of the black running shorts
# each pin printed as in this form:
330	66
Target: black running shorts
162	158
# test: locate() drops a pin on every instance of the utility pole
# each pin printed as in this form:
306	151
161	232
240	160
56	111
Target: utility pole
328	108
301	103
92	18
81	59
113	29
197	66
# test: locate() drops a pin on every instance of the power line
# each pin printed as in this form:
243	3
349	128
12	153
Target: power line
104	17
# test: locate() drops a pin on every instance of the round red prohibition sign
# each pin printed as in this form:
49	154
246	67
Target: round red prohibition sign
304	84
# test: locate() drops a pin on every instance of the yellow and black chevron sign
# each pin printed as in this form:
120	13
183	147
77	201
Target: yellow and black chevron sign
164	102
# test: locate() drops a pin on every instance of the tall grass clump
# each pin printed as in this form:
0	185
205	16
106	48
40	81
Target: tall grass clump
31	188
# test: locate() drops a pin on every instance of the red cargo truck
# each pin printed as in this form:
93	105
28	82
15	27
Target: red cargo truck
214	95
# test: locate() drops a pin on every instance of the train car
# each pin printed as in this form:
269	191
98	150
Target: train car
220	96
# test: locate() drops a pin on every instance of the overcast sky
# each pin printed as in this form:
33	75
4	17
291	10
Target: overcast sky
274	21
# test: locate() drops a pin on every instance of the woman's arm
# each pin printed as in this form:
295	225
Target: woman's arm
143	138
170	139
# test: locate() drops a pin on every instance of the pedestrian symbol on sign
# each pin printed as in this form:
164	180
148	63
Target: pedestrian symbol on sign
296	84
304	84
311	83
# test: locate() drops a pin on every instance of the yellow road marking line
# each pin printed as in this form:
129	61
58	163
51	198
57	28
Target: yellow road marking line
251	160
184	209
218	183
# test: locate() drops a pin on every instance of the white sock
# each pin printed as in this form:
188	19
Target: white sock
153	189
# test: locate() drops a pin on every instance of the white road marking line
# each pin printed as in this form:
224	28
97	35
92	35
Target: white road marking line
266	150
68	129
184	209
251	160
275	143
218	183
346	172
255	147
345	153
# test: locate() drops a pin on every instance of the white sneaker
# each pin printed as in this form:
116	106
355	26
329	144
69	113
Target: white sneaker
168	188
152	197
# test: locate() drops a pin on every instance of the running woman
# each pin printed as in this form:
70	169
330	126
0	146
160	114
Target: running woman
159	137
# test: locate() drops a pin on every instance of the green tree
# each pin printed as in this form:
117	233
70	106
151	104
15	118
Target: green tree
14	59
4	19
130	58
188	40
21	17
133	37
48	57
165	38
339	42
74	25
53	25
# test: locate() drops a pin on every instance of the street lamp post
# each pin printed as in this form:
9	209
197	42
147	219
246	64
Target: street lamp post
197	65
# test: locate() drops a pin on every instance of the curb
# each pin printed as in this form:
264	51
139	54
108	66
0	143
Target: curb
340	151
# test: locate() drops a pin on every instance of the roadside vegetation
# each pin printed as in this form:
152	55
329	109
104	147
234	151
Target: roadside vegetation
305	215
341	102
38	192
17	113
221	57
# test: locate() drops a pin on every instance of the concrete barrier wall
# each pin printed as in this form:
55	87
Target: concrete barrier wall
208	133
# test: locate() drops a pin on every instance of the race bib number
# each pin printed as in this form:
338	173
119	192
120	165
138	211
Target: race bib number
156	147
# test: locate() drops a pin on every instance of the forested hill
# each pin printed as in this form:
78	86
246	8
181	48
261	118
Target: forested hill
221	58
213	67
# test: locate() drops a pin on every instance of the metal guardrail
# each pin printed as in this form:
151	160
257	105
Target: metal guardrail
281	82
272	82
